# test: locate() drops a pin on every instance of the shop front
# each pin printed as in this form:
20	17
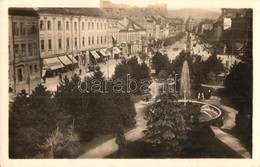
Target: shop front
51	67
74	61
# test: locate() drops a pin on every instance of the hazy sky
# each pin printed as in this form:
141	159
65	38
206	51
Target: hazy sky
171	4
214	5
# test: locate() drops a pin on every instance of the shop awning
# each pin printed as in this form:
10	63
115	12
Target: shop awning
53	63
65	60
105	52
73	60
116	50
95	54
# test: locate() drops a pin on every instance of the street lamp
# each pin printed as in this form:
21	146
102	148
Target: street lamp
175	77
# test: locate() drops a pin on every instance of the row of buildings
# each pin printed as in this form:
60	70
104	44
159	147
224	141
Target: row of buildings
47	41
233	29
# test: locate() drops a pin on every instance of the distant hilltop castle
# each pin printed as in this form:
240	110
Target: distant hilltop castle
160	8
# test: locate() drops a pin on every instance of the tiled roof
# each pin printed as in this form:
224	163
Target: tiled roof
22	11
94	12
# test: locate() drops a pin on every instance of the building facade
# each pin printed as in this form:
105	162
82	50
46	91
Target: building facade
24	59
75	38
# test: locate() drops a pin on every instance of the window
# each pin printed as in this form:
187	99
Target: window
89	25
35	49
105	26
59	25
42	44
30	49
68	43
31	69
16	50
29	32
101	26
75	25
49	44
35	68
23	49
92	25
101	40
33	29
92	40
75	42
83	41
16	29
22	28
67	25
89	41
82	25
60	44
105	39
41	25
97	39
49	25
97	26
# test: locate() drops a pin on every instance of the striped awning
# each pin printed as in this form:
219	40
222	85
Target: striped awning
65	60
105	52
73	59
52	63
95	54
116	50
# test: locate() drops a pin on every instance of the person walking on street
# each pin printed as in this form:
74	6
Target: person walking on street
199	96
80	71
202	97
60	76
44	79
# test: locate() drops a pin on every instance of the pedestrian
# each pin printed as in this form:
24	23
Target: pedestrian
209	94
60	76
202	97
10	88
80	71
44	79
199	96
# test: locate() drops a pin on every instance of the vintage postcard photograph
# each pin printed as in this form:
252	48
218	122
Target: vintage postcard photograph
128	81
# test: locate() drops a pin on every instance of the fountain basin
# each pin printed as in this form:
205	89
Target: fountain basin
210	114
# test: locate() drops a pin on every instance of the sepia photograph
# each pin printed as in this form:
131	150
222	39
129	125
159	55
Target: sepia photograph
130	80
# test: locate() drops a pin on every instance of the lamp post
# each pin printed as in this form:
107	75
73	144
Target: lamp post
175	78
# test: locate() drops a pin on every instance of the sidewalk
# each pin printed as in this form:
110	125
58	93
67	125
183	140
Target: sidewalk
52	82
228	124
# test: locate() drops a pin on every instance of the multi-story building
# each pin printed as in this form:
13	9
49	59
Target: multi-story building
206	25
24	59
132	33
237	29
190	24
217	29
175	25
71	36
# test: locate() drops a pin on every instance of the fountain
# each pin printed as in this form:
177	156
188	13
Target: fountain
184	92
208	113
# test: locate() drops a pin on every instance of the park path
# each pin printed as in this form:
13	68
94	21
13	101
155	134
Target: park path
228	124
110	146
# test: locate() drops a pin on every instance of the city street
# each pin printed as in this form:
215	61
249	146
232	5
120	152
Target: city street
175	49
52	82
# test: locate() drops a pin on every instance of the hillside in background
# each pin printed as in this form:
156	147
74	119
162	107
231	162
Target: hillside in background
194	12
